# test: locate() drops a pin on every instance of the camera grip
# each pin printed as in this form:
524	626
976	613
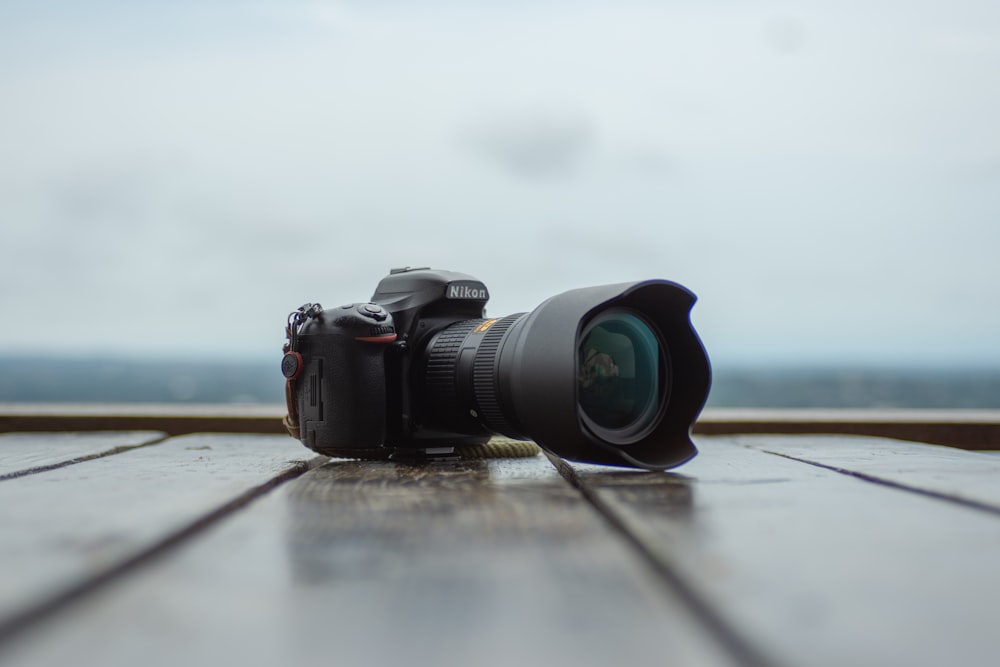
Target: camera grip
342	389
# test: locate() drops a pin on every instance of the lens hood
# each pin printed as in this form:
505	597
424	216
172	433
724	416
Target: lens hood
542	384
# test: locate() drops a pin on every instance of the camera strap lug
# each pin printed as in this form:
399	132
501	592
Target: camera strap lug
295	320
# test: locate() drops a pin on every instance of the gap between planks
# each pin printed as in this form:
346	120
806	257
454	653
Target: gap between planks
34	470
741	649
785	556
45	607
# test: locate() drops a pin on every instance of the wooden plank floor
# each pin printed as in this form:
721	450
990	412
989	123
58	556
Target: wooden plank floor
136	548
27	453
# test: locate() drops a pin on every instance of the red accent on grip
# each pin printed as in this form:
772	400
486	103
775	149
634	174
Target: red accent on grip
376	339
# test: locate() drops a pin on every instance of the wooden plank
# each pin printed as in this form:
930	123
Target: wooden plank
966	429
483	563
174	419
69	527
26	453
816	567
968	477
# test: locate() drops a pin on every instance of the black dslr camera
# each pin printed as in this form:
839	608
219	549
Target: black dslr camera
613	374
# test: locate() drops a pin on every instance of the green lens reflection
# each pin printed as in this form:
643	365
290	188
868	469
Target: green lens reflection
620	372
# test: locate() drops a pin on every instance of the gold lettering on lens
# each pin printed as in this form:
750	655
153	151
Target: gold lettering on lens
484	326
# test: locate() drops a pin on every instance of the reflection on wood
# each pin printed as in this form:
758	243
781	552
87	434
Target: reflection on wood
237	549
471	563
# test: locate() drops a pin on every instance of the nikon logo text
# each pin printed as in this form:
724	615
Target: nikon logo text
467	291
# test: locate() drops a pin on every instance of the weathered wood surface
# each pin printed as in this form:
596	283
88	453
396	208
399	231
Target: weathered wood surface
813	566
477	563
63	529
27	453
242	554
969	477
966	429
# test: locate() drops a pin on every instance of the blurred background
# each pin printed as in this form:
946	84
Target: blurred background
825	176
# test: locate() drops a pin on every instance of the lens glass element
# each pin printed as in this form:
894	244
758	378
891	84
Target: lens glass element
621	375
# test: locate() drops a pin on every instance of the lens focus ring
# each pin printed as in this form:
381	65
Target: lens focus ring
442	360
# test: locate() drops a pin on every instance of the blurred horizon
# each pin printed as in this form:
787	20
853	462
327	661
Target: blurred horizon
192	381
175	178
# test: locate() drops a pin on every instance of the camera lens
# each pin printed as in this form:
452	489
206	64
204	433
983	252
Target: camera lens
613	374
621	376
460	379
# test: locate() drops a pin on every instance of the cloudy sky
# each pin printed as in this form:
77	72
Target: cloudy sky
176	177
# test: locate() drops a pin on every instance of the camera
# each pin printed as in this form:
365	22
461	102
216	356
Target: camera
613	374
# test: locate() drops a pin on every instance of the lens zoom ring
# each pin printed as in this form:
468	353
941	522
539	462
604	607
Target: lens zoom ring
485	378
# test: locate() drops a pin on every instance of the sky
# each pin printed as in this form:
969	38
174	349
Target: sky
175	178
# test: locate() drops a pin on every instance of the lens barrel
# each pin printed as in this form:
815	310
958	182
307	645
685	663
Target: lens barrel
613	374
